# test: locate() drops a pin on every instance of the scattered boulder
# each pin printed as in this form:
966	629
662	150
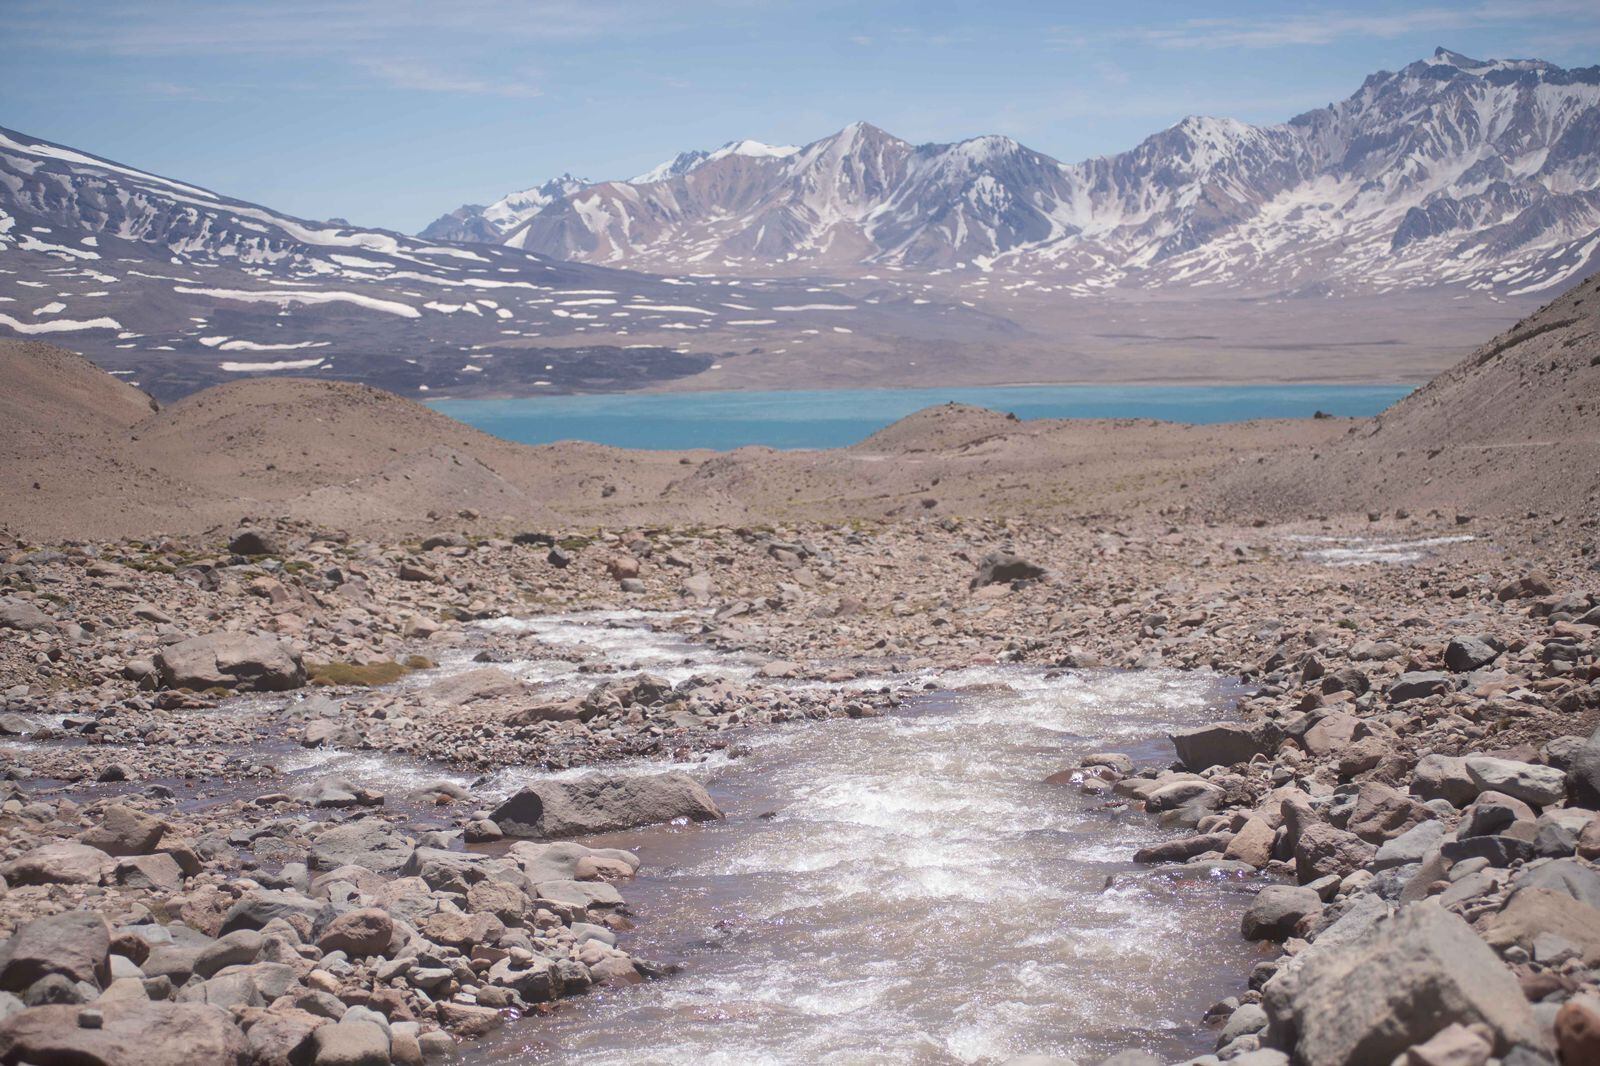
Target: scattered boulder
1222	744
1466	654
1528	782
124	831
1002	568
128	1032
1279	911
601	803
255	542
56	864
231	661
1417	685
73	944
1391	984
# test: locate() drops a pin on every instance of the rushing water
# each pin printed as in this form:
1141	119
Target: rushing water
909	889
837	417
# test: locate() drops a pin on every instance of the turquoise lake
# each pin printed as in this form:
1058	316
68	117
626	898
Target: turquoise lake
835	418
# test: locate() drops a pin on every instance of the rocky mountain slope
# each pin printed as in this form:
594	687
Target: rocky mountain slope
178	287
1514	426
1484	174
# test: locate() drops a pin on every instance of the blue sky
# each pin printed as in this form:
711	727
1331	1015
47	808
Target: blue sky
389	112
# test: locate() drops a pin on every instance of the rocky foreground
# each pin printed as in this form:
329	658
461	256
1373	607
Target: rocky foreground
1418	762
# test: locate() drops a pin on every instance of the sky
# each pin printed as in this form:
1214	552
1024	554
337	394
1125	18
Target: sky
391	112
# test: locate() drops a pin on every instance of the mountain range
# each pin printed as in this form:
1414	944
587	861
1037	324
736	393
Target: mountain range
176	287
1484	174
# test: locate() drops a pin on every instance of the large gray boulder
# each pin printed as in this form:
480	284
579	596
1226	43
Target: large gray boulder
62	863
74	944
367	843
1583	774
1465	654
232	661
1223	744
132	1033
1528	782
1392	983
603	803
20	614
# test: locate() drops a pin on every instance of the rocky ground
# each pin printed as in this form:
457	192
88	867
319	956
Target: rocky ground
1418	760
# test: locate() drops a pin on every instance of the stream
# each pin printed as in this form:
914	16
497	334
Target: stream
909	889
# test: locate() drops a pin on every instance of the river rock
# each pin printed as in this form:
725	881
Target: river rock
124	831
366	842
1278	912
129	1033
1354	999
1532	912
1180	848
73	944
353	1042
57	864
1529	782
1465	654
1221	744
484	683
1382	813
1443	777
1417	685
1409	847
232	661
358	933
603	803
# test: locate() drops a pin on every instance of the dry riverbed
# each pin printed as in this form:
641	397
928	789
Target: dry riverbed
277	796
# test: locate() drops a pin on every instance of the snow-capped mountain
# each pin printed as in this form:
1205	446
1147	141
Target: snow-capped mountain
179	287
1451	170
489	225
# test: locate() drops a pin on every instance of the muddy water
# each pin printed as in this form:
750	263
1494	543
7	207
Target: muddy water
908	889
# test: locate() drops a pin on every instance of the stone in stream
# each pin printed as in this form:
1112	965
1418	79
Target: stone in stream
1279	911
231	661
1223	744
602	803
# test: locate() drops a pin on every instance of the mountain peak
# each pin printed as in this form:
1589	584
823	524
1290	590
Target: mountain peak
1444	57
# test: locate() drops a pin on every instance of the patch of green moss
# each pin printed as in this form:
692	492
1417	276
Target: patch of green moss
362	675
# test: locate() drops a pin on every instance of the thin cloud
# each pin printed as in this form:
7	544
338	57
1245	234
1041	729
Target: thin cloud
421	77
1328	27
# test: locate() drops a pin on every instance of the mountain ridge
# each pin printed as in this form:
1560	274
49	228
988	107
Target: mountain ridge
1452	170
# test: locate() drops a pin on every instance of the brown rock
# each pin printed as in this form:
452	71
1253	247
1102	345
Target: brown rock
131	1033
358	933
1578	1030
124	831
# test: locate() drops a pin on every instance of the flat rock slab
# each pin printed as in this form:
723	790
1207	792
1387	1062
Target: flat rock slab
601	804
